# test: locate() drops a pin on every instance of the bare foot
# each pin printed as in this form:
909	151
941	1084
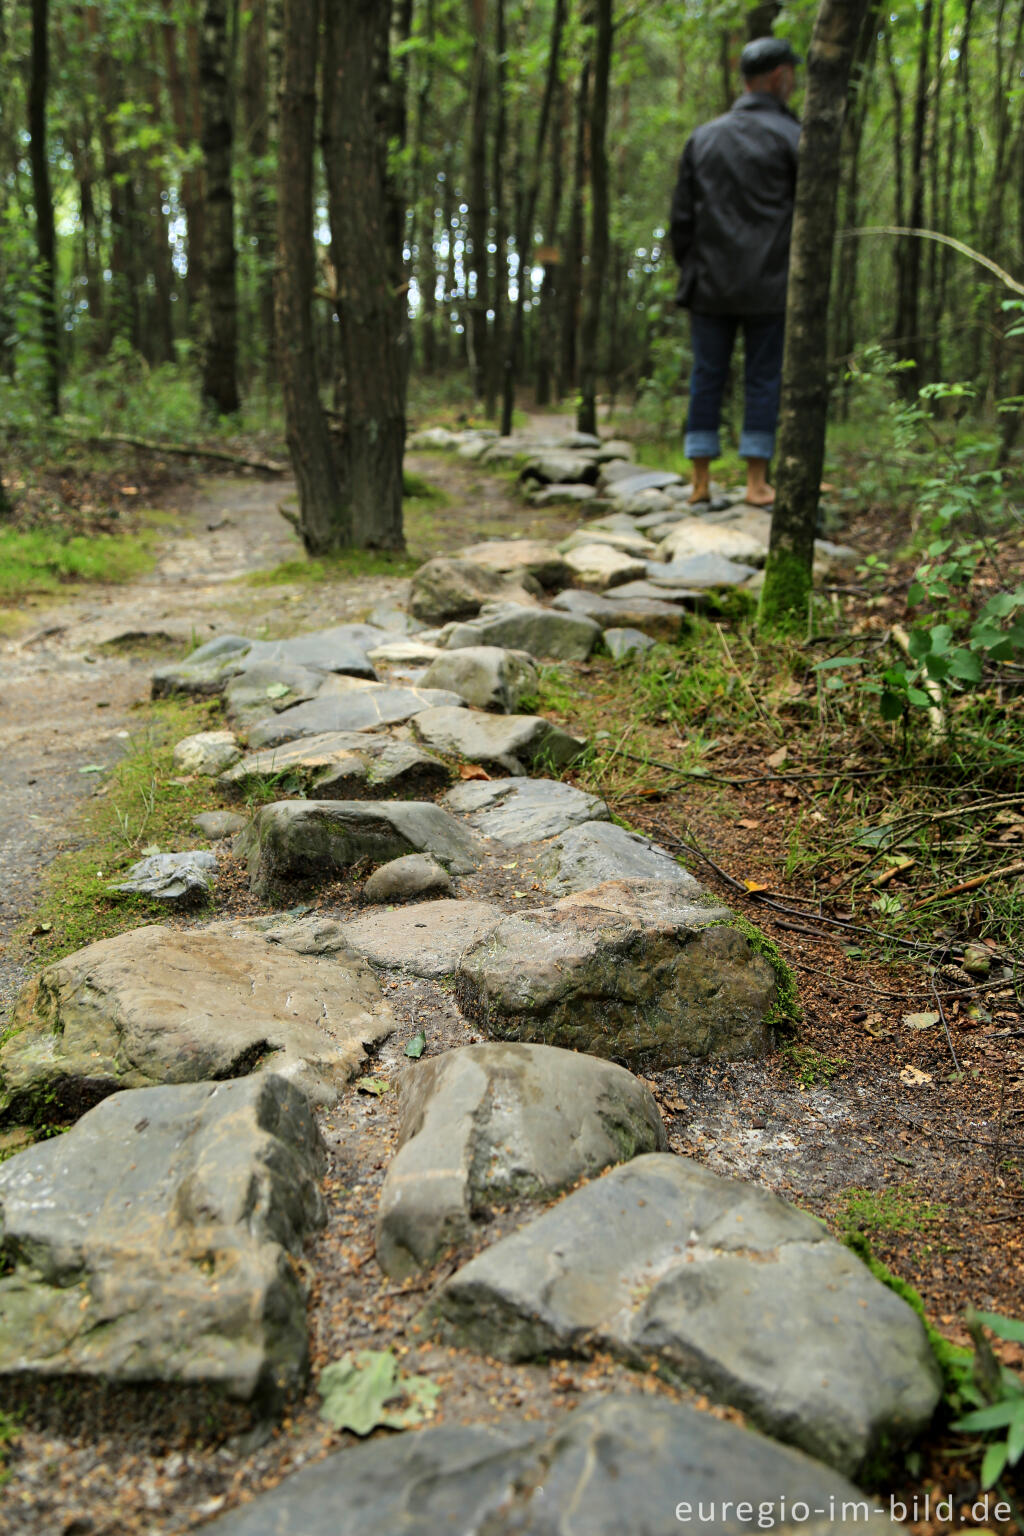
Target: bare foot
698	497
760	498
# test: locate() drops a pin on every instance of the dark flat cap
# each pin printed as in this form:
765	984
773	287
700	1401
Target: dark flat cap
765	54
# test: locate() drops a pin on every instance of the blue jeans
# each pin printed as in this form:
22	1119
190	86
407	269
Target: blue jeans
713	339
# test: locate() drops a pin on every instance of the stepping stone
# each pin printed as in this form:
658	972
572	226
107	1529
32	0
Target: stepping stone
209	669
728	541
475	444
218	824
517	811
433	437
648	592
577	441
306	839
486	676
409	653
541	632
587	854
662	620
513	742
598	566
618	1466
427	939
637	971
614	448
627	642
417	874
164	1005
489	1124
708	570
516	557
344	764
614	522
208	753
656	524
357	709
632	544
642	503
270	686
393	620
834	560
561	495
559	467
623	480
154	1241
446	589
731	1291
179	879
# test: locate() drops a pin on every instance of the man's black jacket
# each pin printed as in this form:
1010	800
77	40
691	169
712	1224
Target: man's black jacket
732	211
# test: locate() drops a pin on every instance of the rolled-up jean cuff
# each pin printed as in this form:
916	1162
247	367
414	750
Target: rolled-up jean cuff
756	445
701	445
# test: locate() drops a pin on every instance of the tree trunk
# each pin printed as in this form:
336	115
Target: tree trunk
423	198
42	197
220	340
500	226
908	320
804	407
548	379
524	232
256	96
573	266
368	261
586	417
324	520
479	207
845	329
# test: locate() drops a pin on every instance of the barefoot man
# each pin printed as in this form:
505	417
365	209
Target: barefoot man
732	214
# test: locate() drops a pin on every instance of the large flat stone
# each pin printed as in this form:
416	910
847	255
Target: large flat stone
517	811
492	1123
209	668
730	1289
486	676
370	708
207	753
428	939
302	839
586	854
738	541
661	620
541	632
560	466
514	557
629	543
618	1466
707	570
448	588
162	1005
512	742
343	765
635	970
151	1243
597	566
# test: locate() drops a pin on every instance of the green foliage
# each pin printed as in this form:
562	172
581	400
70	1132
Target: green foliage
366	1390
41	560
785	1012
786	592
998	1394
811	1066
350	565
8	1434
888	1210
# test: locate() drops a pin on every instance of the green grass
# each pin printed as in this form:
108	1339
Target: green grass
876	1211
352	565
810	1066
139	806
39	560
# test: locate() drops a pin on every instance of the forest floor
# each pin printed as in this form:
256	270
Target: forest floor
911	1137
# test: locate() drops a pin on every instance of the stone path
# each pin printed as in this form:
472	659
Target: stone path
199	1059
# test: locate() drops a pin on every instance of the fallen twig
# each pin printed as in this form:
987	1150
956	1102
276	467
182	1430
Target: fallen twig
971	885
188	451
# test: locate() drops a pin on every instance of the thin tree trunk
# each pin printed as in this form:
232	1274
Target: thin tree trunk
804	407
586	416
368	262
547	341
573	265
423	199
42	197
908	321
256	96
479	203
524	232
220	349
324	520
899	253
500	301
859	95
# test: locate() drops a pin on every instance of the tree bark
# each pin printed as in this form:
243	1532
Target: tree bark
42	197
220	340
548	378
573	265
368	263
324	520
524	232
500	301
804	407
479	207
586	417
908	319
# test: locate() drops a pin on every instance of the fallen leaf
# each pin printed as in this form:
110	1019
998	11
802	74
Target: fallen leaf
777	758
920	1020
40	929
745	821
473	771
93	768
374	1085
914	1077
358	1388
278	690
752	885
417	1045
129	490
